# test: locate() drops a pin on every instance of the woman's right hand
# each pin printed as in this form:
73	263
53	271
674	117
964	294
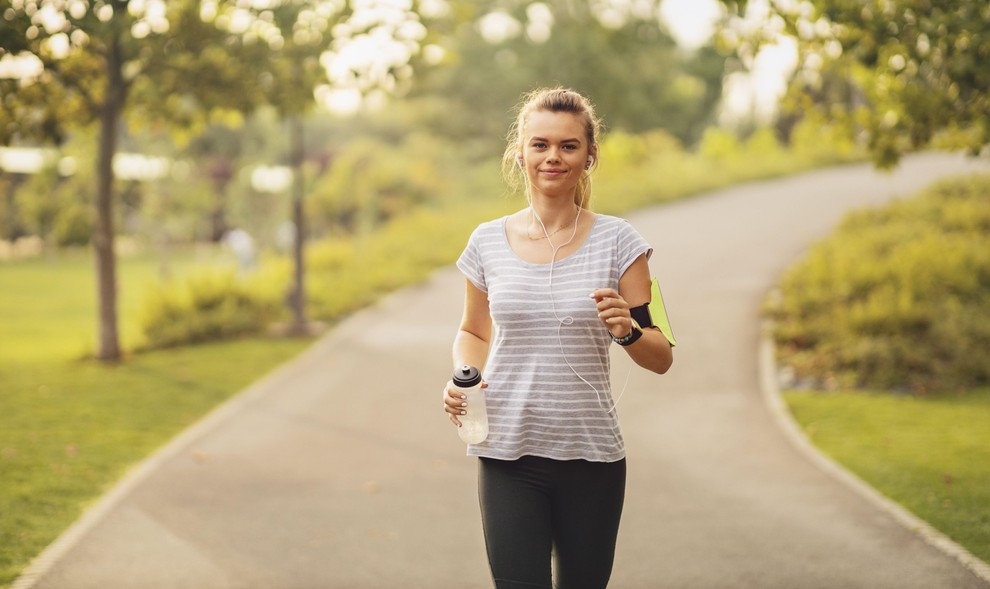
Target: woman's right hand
455	402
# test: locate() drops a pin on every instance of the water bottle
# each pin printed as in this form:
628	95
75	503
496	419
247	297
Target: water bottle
474	424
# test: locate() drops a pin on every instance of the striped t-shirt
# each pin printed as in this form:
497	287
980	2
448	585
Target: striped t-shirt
542	350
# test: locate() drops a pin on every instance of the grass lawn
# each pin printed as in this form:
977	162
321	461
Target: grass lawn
48	304
930	454
70	428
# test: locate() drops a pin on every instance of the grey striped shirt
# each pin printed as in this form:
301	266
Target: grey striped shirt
548	367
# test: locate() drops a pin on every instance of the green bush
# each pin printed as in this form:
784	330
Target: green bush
372	181
73	226
205	307
818	138
897	298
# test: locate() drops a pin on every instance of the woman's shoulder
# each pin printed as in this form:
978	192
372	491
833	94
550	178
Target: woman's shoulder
610	223
493	226
619	230
488	231
604	219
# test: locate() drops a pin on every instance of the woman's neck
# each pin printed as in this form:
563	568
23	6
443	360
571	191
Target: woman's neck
553	213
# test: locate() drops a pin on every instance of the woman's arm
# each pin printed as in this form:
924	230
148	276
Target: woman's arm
470	344
472	339
651	351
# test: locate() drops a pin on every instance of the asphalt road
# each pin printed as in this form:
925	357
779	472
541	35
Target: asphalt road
340	470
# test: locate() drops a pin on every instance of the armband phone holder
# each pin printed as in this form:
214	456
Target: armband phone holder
654	314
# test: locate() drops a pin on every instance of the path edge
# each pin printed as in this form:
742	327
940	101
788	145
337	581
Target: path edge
774	401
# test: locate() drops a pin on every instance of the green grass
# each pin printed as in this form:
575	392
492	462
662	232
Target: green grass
930	454
48	304
69	430
70	427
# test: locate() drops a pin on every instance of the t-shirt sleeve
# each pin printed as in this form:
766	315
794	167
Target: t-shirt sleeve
470	262
630	246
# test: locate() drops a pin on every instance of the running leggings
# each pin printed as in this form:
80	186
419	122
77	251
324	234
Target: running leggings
534	507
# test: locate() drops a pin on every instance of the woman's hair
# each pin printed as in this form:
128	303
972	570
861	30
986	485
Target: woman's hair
552	100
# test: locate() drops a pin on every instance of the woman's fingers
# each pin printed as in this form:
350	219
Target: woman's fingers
604	294
612	314
613	311
454	404
607	298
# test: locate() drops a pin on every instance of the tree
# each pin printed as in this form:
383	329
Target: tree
94	59
217	150
317	47
918	67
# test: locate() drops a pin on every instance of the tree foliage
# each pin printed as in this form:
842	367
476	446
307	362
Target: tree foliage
618	54
917	67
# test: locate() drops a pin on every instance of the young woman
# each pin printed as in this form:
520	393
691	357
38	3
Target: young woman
560	284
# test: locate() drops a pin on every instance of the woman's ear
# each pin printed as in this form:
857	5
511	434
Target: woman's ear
592	158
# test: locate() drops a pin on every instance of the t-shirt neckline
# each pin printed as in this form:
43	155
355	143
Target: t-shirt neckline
580	248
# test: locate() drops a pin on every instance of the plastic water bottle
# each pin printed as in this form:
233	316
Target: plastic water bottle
474	424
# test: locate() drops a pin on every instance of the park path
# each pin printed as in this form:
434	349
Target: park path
341	471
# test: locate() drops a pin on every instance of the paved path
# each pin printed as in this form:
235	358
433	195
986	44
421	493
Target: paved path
341	471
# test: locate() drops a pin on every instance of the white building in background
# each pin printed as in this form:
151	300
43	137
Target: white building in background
130	166
126	166
271	179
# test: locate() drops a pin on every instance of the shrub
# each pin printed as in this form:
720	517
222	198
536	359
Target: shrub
73	226
897	298
205	307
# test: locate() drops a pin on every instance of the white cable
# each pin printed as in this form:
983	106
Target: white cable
568	320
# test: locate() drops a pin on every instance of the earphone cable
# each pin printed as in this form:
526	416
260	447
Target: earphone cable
567	319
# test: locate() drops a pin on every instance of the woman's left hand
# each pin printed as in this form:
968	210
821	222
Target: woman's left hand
613	311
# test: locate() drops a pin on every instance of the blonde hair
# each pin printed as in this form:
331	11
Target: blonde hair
553	100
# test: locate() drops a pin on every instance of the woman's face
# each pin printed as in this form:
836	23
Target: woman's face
555	152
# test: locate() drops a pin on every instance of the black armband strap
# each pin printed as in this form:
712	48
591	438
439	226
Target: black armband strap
641	315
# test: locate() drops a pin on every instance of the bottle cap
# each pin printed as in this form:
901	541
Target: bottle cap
466	376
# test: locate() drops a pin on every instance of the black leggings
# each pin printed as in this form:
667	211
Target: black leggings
534	506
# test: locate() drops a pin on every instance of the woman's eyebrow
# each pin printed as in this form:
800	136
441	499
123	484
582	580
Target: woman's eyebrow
545	140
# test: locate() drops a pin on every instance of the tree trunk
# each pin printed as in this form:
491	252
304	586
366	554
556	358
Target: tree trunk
299	324
108	349
221	172
13	225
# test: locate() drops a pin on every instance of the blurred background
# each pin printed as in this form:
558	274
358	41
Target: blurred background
183	183
169	134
